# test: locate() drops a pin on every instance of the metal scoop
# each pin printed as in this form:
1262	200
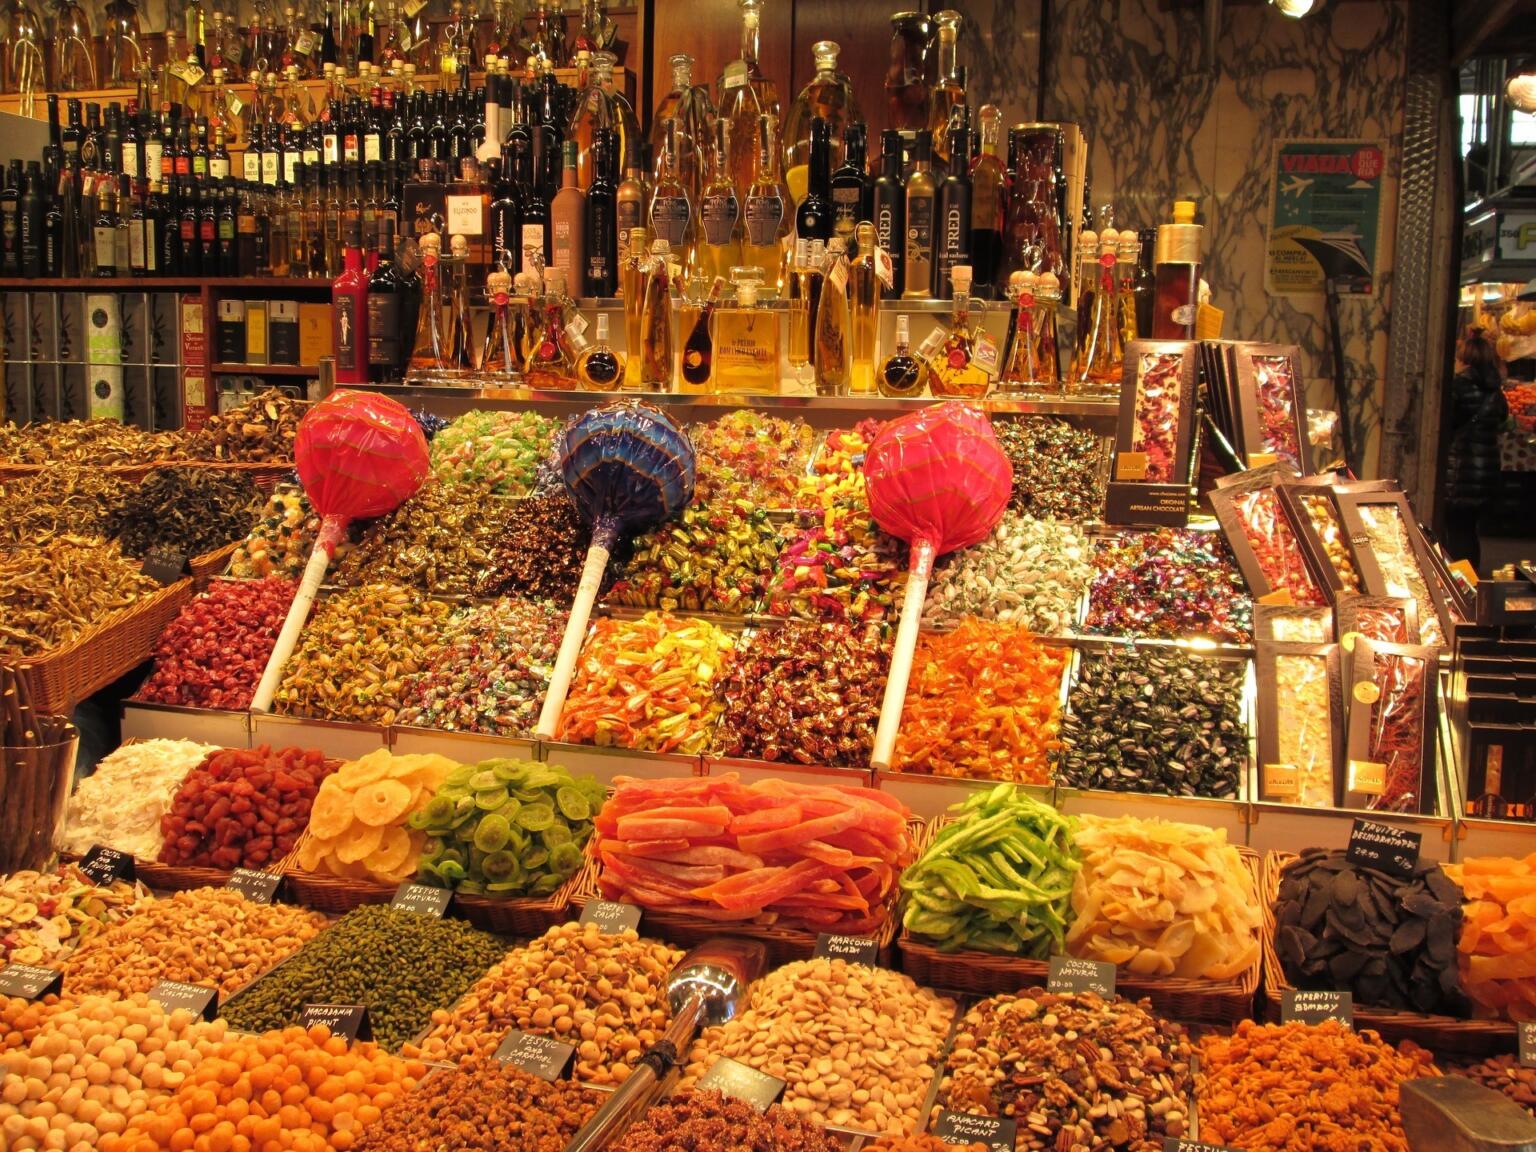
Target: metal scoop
707	988
1452	1114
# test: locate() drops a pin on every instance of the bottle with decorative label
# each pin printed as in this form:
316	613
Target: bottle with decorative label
692	112
671	213
744	97
500	354
767	218
598	367
1019	372
903	375
965	361
656	320
746	340
829	96
429	348
1176	273
697	322
349	312
719	240
1099	359
550	363
832	345
921	194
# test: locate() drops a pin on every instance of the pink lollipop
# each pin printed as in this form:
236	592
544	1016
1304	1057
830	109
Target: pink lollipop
359	455
938	479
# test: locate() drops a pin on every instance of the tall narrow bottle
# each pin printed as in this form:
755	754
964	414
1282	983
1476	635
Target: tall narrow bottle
1176	275
656	321
1145	287
688	105
386	312
698	359
864	313
832	344
1127	255
766	217
567	221
813	218
988	184
890	212
719	239
852	190
671	213
744	95
630	203
952	239
632	288
1099	355
429	347
1019	371
917	271
455	274
349	311
947	102
602	223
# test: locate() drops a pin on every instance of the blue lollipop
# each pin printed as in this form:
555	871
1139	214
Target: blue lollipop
627	468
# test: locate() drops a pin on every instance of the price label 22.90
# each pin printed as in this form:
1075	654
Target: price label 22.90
1383	847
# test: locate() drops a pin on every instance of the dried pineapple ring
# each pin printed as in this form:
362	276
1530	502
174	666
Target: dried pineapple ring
358	842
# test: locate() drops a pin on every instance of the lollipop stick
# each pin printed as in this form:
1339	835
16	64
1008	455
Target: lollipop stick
575	633
920	569
331	530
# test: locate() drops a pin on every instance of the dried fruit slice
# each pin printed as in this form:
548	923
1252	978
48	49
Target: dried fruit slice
492	833
382	803
393	852
331	814
366	770
312	851
358	842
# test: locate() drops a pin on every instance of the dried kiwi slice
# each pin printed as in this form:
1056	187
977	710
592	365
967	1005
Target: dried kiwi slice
556	835
493	832
490	800
439	812
564	860
572	804
501	868
451	870
535	859
484	781
536	817
512	771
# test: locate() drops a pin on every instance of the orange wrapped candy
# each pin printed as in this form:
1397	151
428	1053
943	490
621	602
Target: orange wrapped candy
1498	934
984	702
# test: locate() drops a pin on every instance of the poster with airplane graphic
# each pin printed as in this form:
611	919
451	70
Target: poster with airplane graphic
1325	215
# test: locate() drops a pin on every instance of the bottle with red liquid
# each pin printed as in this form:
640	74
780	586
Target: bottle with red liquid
1176	275
349	310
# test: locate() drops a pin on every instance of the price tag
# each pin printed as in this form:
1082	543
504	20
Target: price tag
1282	781
985	354
1528	1044
1068	974
735	75
1174	1144
996	1132
854	949
1381	846
165	565
103	865
422	899
1131	466
257	887
611	916
578	325
1368	777
736	1080
174	994
349	1021
838	277
29	981
537	1055
1315	1007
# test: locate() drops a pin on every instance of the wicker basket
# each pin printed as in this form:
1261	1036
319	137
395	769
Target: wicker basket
264	474
180	878
210	564
62	678
517	916
1439	1033
987	973
784	945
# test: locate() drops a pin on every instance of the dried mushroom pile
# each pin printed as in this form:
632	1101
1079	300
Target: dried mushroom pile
51	593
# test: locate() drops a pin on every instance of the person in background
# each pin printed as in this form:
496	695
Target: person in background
1478	412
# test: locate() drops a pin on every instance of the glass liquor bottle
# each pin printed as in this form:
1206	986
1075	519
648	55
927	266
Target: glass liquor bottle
630	140
1099	359
25	63
1047	347
1128	255
455	274
863	313
125	51
917	267
988	185
829	96
632	288
746	341
299	45
947	101
429	349
656	321
595	112
1019	373
545	44
74	48
1176	272
801	280
550	362
813	218
744	96
1087	293
890	209
952	216
766	215
719	239
596	32
349	313
392	304
693	114
852	190
671	212
500	354
455	42
599	368
697	321
910	78
903	375
567	222
832	344
966	361
601	223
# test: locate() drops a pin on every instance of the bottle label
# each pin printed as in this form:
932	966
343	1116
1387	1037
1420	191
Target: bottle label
932	343
845	210
383	328
332	146
669	219
920	228
269	167
200	166
735	75
719	215
837	277
765	214
346	313
1184	314
136	244
218	167
372	147
629	218
985	355
349	148
533	245
290	167
884	269
130	159
251	164
153	151
106	246
955	248
306	42
464	217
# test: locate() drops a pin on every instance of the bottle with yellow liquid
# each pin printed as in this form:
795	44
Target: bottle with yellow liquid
718	236
864	313
656	321
766	214
632	287
746	341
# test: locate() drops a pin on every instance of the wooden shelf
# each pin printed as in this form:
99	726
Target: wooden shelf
262	370
161	284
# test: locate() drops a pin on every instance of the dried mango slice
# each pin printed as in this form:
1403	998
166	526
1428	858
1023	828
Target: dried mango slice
382	803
